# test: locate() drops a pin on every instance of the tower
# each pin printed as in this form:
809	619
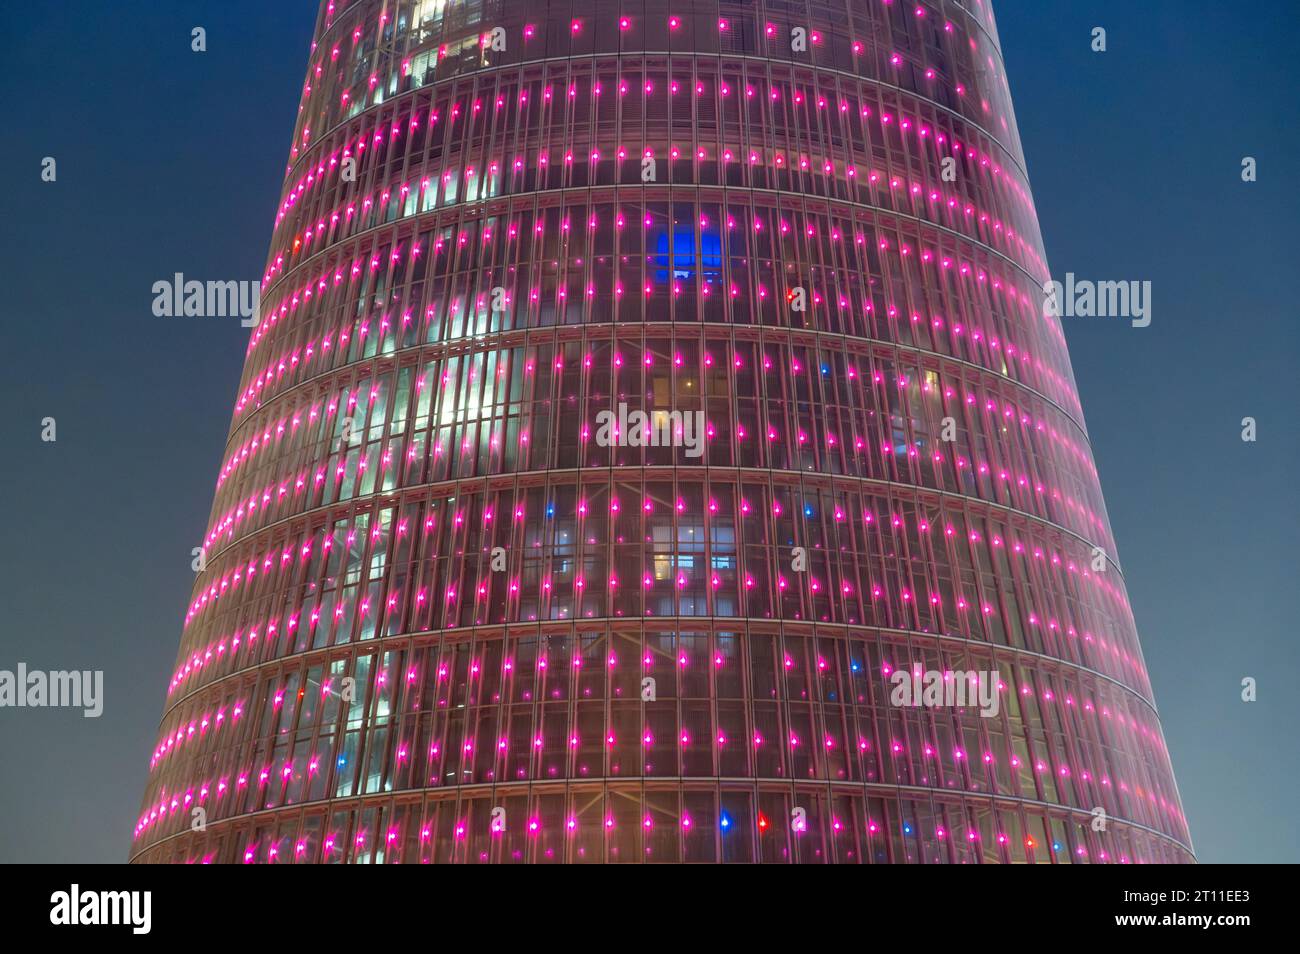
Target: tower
654	448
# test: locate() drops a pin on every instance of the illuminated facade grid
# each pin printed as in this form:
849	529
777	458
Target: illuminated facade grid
442	621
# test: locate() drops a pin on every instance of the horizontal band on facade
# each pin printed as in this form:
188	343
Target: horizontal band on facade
682	784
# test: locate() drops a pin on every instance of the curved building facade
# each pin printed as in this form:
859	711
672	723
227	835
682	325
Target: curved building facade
648	397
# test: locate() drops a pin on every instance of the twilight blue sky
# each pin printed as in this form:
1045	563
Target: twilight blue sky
171	161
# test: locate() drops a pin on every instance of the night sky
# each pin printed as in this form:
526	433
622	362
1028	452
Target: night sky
171	161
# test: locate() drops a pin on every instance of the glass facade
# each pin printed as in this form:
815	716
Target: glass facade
445	619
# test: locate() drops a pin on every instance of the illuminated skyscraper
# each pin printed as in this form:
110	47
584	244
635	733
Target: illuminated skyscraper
452	613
